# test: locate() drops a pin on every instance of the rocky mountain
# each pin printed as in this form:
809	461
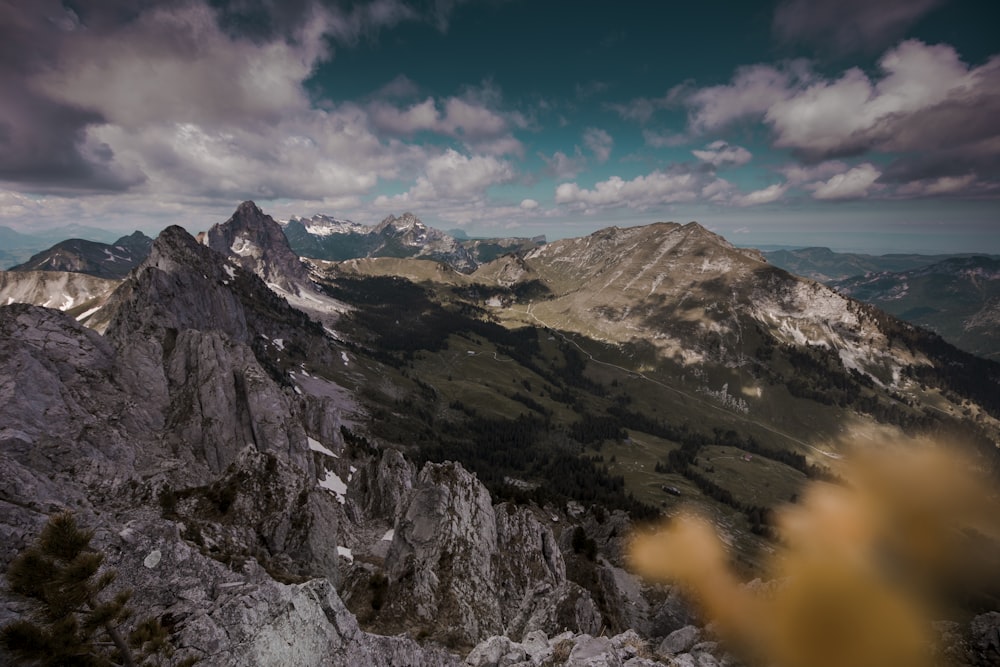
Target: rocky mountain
78	294
255	241
326	238
958	298
102	260
334	465
826	266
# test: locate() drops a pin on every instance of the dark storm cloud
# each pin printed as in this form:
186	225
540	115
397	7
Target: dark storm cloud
41	140
847	26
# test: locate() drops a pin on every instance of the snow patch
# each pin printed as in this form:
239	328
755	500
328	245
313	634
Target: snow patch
389	534
317	446
88	313
344	552
343	355
335	485
279	343
230	270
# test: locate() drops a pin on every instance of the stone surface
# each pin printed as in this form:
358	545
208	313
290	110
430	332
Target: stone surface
680	641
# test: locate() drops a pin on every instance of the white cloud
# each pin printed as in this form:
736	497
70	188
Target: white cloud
944	185
640	192
797	174
599	142
562	166
529	204
771	193
754	90
720	153
934	113
852	184
418	117
481	128
452	175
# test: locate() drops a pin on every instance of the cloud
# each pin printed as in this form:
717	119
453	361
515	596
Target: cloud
589	89
529	204
641	192
753	90
599	142
562	166
771	193
719	154
642	109
797	174
845	26
156	98
453	176
401	87
664	139
944	185
935	113
852	184
469	119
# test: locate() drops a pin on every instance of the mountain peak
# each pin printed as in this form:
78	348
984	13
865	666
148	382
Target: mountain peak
254	240
248	208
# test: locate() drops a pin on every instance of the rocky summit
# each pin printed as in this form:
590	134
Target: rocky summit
301	464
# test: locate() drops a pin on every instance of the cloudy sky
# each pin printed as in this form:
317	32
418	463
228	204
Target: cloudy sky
856	124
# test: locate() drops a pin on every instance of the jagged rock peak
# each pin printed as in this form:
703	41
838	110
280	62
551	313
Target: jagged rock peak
255	241
403	223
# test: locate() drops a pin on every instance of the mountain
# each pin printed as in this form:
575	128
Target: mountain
958	298
78	294
330	464
326	238
91	257
825	265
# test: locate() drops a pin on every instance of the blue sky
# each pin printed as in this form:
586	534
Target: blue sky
856	124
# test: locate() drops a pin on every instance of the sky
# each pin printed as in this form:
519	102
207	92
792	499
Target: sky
862	125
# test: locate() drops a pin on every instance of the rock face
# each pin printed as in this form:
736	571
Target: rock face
466	569
260	247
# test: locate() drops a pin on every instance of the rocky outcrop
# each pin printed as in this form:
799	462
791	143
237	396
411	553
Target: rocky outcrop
256	242
464	569
574	650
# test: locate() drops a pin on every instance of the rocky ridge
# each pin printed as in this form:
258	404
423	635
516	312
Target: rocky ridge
102	260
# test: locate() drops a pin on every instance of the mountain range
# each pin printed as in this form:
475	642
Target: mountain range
959	298
323	237
827	266
386	460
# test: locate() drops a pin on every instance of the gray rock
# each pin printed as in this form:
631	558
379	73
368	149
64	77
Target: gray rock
984	638
496	651
680	641
594	652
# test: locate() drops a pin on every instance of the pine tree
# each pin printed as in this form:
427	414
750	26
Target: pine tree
72	620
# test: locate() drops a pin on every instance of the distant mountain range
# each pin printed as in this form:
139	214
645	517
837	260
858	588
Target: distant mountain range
825	265
958	298
955	296
16	247
327	238
103	260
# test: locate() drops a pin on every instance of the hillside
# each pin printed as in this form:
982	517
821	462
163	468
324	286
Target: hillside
103	260
958	298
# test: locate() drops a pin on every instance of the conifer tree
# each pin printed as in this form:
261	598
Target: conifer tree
73	621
